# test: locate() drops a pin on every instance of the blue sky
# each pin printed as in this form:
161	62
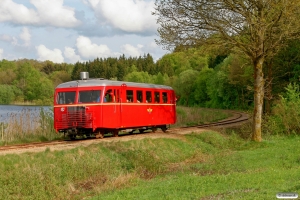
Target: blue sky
77	30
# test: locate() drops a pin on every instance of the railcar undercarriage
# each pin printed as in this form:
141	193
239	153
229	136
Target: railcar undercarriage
99	133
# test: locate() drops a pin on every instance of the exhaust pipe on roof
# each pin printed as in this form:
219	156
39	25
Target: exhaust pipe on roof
84	75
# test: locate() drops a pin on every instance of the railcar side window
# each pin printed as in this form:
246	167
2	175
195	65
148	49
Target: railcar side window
109	96
129	96
65	97
91	96
165	97
148	97
139	96
157	97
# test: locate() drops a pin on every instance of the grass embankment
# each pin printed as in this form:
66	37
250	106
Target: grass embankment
197	166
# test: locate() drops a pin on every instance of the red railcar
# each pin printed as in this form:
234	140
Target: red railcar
97	106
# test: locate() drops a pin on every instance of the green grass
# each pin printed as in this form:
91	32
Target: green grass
197	166
245	171
187	116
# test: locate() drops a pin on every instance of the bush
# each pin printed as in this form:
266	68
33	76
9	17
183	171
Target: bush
8	93
285	118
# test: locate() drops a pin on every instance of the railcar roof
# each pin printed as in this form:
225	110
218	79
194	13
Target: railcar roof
103	82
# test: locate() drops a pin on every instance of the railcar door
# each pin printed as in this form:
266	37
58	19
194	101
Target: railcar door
173	106
122	100
150	108
111	108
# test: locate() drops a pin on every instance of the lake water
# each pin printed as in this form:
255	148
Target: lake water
6	111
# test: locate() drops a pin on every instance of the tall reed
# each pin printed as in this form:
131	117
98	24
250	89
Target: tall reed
26	126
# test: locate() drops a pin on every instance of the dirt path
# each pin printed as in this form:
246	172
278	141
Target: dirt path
71	145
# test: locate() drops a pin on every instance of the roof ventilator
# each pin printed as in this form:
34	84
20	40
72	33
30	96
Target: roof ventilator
84	75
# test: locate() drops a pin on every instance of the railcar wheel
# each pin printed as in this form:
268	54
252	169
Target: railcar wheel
116	133
99	135
141	130
164	129
154	129
72	137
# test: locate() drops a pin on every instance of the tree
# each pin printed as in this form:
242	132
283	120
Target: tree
280	71
139	77
7	72
257	28
59	77
159	79
185	85
201	93
78	67
33	84
7	94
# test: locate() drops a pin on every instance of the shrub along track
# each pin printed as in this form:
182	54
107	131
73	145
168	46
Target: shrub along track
237	119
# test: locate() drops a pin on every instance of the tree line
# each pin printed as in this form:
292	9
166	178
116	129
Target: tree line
215	79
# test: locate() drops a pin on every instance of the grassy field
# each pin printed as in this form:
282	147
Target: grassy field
224	168
209	165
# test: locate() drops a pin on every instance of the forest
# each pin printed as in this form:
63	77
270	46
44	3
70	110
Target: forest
215	79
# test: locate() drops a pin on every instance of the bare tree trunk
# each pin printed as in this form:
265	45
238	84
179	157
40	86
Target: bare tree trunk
258	100
268	86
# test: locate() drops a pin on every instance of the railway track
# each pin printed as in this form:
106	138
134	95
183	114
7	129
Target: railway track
236	119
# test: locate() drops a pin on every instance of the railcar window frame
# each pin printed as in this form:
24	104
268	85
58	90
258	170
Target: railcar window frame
93	96
165	97
156	96
139	96
66	97
109	96
148	96
129	96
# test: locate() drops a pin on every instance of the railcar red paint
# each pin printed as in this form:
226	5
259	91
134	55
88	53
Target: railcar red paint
96	106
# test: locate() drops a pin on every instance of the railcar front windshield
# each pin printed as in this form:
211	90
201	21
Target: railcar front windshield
65	97
89	96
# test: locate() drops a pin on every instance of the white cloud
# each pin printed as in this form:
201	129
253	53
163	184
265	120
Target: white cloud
130	50
1	54
14	41
89	50
48	12
70	54
46	54
6	38
127	15
25	36
153	45
54	13
17	13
